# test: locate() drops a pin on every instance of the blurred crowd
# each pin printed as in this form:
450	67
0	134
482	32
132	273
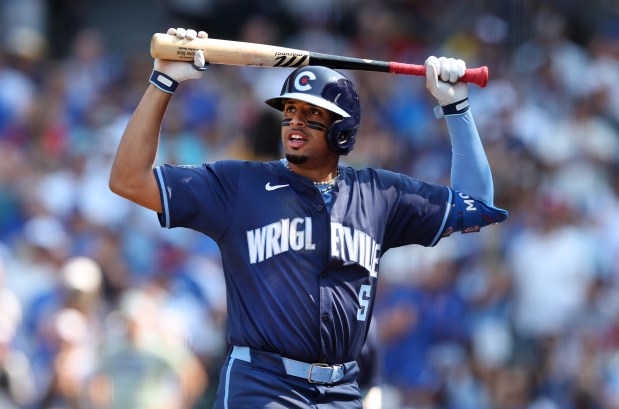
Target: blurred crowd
101	308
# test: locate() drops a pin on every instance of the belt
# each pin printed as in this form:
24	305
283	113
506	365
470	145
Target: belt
314	373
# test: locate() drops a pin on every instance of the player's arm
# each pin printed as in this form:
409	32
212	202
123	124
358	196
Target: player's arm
132	174
471	177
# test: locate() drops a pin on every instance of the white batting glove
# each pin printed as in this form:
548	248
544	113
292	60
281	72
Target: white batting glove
167	74
442	76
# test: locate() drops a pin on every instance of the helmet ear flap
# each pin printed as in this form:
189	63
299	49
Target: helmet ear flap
341	135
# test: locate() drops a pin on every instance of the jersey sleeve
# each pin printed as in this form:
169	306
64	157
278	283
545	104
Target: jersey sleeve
470	215
420	211
201	197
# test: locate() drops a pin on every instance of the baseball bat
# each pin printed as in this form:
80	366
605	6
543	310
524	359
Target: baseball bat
170	47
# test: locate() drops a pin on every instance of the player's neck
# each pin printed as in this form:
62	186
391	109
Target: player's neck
324	174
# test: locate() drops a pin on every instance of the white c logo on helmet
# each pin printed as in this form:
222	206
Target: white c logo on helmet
302	82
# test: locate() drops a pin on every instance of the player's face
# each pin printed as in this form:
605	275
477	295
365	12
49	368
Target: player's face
304	130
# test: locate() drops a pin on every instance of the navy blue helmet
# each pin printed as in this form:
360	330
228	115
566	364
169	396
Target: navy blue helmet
331	90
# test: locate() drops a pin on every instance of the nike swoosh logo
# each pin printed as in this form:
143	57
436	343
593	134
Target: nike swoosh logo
269	188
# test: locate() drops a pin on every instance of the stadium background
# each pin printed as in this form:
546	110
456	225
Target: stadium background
523	315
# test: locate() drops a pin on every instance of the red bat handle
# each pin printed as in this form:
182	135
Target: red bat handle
477	76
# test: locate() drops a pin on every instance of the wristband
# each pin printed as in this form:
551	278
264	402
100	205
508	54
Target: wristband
163	81
455	108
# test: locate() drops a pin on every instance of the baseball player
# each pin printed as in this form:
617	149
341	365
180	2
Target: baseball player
301	237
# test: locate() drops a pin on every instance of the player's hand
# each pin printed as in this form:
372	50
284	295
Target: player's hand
182	70
442	76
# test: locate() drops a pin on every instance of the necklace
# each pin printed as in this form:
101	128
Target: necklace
325	186
328	185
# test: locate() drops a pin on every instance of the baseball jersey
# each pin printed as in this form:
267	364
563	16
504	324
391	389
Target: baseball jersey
301	280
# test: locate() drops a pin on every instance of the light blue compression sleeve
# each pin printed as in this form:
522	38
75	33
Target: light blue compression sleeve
470	170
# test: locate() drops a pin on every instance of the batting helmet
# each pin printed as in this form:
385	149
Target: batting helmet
331	90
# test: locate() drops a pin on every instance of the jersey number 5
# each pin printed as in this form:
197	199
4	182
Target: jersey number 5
364	302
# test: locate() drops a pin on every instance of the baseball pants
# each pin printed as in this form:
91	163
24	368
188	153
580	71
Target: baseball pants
252	379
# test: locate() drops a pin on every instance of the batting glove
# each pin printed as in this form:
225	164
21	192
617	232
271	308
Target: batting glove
167	74
442	76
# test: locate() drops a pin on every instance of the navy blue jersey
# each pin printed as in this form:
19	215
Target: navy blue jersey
300	280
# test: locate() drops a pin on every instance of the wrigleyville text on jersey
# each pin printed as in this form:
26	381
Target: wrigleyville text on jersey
347	244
